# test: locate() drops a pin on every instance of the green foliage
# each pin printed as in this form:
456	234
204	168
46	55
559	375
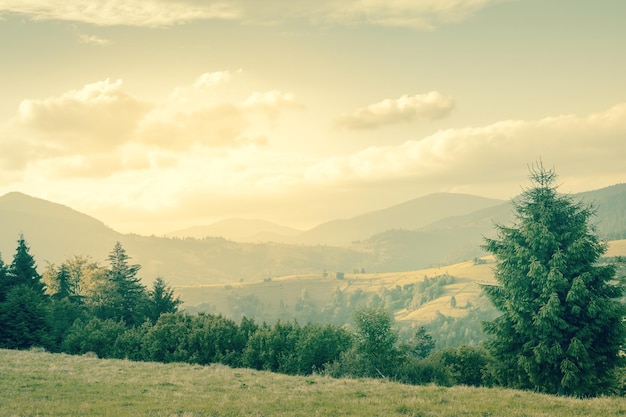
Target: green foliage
376	340
317	346
456	331
4	280
271	347
465	365
24	310
95	335
25	318
561	327
63	313
419	345
412	296
23	269
126	298
161	300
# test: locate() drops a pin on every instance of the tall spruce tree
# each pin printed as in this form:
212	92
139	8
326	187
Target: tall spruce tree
127	296
23	305
161	300
561	327
23	269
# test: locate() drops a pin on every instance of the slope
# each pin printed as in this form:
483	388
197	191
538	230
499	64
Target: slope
53	231
411	214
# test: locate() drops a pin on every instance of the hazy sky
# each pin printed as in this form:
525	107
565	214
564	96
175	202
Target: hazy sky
155	115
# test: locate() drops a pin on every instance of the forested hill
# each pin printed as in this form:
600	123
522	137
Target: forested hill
410	215
56	233
458	238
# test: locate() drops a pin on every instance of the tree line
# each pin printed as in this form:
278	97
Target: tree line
560	329
82	307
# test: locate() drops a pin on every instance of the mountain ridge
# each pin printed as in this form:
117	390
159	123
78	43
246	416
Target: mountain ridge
56	232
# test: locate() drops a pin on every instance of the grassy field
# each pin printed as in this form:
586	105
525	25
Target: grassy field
42	384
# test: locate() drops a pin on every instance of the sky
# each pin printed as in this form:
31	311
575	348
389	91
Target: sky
157	115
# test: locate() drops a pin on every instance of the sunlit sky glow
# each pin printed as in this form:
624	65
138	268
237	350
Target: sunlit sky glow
158	114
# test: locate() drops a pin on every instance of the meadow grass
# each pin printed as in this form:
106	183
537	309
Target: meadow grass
42	384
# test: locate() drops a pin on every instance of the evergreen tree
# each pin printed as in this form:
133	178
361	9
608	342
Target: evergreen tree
23	305
561	325
161	300
23	269
4	280
25	319
125	297
64	289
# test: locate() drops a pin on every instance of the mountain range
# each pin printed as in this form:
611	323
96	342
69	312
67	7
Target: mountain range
411	214
426	231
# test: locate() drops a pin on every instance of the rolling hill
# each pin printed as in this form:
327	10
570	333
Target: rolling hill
54	232
411	214
458	238
446	228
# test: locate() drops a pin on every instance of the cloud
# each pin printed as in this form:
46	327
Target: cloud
271	103
193	115
98	116
93	40
496	153
213	126
204	183
429	106
100	128
148	13
422	14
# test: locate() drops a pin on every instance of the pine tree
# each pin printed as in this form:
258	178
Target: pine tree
561	326
161	300
23	269
23	305
126	296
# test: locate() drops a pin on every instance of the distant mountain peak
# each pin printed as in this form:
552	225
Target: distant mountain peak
240	229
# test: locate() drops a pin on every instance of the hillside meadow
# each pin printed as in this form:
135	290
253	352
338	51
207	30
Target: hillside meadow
35	383
320	288
217	298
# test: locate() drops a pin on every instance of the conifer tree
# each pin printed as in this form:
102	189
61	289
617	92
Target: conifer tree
161	300
126	296
561	326
4	280
23	269
65	287
24	315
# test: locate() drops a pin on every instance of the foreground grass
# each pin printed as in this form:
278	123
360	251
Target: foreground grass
43	384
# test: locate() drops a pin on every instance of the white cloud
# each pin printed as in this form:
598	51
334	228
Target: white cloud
420	14
149	13
93	40
271	103
203	181
429	106
99	128
500	152
97	116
